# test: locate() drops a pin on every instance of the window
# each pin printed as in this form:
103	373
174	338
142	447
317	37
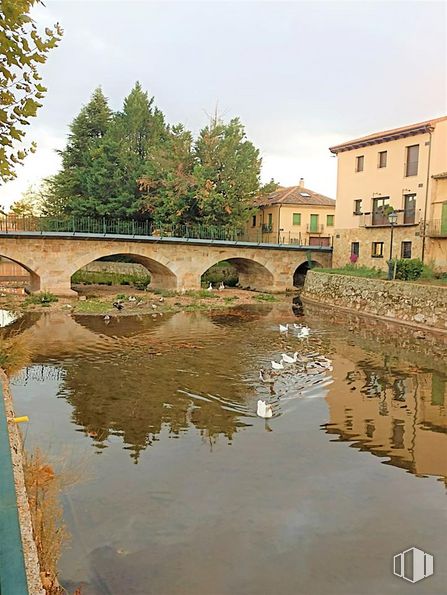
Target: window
382	158
305	194
253	221
377	250
405	250
330	220
359	163
358	206
411	167
270	219
378	211
296	218
355	248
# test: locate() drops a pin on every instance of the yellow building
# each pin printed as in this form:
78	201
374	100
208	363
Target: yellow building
404	169
294	215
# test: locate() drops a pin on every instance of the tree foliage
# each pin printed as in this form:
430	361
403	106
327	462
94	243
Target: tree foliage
132	164
31	202
23	50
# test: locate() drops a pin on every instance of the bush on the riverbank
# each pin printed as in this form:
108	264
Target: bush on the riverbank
265	297
408	269
104	278
43	298
14	354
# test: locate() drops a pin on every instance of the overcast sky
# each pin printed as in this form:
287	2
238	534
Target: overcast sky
301	75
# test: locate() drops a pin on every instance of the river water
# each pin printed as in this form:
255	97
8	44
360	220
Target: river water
186	491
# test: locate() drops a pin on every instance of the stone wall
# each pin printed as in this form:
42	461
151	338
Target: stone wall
401	301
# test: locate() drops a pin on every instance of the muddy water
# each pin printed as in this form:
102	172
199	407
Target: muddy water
186	491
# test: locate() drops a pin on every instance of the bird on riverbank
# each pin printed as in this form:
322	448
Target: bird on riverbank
290	360
118	305
132	298
210	287
221	286
303	332
161	299
283	328
277	366
264	409
107	319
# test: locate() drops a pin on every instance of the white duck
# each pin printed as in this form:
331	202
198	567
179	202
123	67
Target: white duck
210	287
283	328
303	332
221	286
290	360
264	409
277	366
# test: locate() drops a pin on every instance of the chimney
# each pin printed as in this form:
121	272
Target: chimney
301	184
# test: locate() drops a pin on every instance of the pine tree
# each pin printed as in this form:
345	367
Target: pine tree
227	173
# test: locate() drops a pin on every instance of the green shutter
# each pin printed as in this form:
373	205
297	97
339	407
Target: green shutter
296	218
330	220
314	223
444	219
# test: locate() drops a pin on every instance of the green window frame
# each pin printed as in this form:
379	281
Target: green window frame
330	220
296	218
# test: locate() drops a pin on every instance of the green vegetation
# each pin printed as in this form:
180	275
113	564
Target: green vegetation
230	300
43	298
266	297
104	278
408	269
132	164
356	271
92	306
24	49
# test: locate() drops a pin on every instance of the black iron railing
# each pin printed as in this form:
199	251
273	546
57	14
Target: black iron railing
132	227
380	219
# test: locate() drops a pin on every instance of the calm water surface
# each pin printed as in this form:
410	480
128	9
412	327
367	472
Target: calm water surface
186	491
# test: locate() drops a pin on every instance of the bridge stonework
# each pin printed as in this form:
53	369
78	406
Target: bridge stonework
51	260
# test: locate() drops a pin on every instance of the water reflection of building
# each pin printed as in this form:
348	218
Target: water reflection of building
393	413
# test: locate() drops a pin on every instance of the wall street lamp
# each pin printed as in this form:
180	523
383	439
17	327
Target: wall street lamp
392	218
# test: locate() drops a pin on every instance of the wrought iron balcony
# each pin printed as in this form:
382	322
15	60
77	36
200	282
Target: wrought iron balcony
380	219
437	228
312	228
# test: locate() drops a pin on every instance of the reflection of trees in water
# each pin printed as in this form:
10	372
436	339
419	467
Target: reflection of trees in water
124	397
39	373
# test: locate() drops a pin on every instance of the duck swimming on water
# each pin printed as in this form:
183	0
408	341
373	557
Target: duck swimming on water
264	409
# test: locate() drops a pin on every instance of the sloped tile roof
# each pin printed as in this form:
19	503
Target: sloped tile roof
295	195
386	135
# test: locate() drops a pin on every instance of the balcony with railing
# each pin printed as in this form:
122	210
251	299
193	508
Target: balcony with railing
380	219
437	228
315	228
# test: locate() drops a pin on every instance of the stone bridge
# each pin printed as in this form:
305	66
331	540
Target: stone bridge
51	259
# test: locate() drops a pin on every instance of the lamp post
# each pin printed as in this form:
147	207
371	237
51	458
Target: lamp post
392	218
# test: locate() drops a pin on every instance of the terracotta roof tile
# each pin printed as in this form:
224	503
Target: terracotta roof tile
295	195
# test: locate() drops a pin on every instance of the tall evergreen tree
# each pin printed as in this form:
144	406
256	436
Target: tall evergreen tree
227	173
68	188
168	184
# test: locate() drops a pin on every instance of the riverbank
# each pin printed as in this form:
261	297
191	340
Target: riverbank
99	299
417	305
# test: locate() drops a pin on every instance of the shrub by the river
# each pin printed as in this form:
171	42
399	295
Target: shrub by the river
408	269
356	271
265	297
43	298
222	272
105	278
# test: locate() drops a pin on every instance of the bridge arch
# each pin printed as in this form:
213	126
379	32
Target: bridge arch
34	284
252	273
162	276
299	275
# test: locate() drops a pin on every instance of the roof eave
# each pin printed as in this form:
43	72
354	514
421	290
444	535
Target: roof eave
382	138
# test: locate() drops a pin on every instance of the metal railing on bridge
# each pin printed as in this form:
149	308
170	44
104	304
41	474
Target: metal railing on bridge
134	227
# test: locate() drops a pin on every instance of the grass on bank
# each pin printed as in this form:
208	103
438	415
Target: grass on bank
410	270
104	278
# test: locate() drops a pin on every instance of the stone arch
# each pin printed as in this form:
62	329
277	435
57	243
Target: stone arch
300	272
34	284
162	277
252	274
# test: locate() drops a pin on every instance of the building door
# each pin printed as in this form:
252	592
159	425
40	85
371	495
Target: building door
444	219
409	209
313	223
